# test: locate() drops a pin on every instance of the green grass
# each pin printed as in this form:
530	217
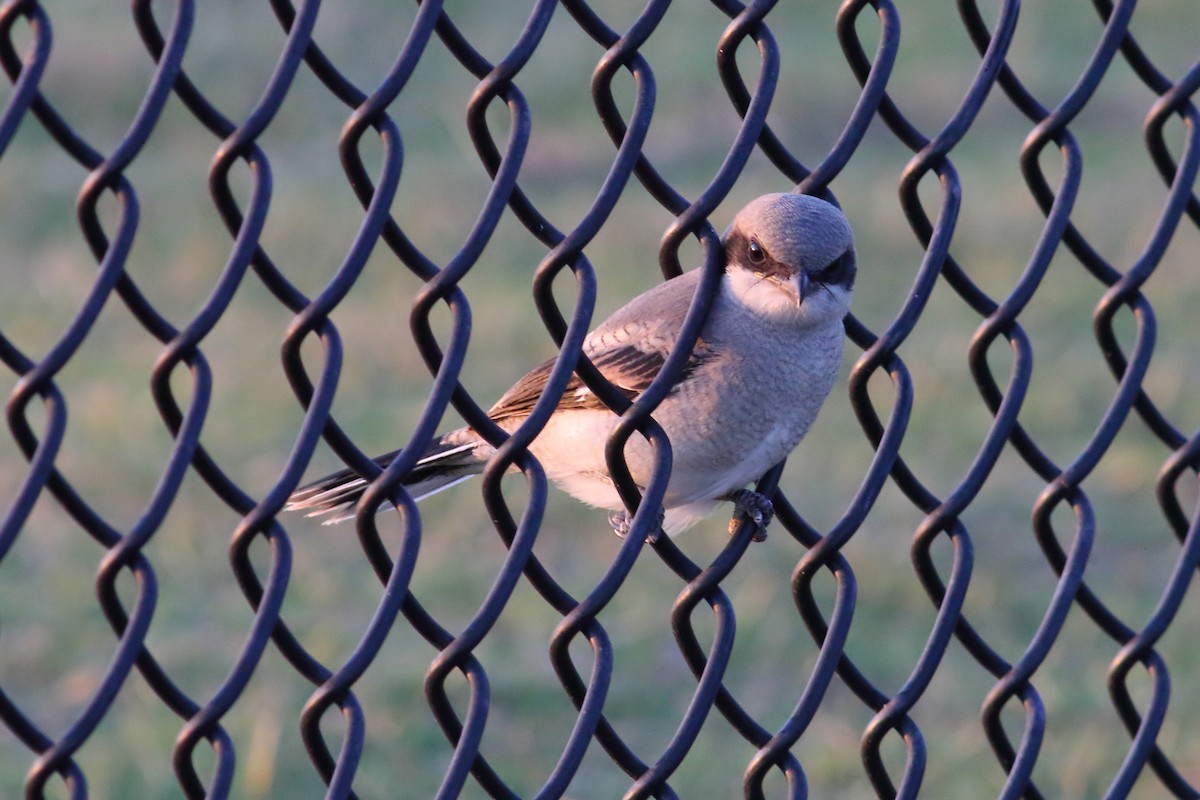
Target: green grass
55	644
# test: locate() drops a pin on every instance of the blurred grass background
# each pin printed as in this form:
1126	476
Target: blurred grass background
55	644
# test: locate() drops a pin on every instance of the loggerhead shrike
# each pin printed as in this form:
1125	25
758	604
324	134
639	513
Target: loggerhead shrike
765	361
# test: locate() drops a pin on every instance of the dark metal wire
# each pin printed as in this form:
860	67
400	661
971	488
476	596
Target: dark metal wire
265	586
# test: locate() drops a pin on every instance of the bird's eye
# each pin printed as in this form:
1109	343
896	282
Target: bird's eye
756	253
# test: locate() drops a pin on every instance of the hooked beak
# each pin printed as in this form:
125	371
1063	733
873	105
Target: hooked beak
795	285
798	284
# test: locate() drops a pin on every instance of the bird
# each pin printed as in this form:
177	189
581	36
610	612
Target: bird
766	359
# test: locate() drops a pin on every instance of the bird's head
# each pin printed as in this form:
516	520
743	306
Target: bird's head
791	257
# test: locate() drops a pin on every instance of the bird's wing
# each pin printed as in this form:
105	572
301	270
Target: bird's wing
629	349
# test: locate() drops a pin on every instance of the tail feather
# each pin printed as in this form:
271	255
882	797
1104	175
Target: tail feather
448	462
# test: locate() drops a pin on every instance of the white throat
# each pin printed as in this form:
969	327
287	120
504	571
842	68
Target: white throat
762	296
777	303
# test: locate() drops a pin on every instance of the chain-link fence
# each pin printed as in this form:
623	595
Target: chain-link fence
997	514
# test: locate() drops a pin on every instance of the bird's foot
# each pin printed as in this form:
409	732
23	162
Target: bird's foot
755	507
622	523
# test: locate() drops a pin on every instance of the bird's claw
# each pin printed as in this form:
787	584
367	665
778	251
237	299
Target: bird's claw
755	507
622	523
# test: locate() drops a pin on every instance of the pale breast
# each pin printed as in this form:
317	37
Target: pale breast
755	402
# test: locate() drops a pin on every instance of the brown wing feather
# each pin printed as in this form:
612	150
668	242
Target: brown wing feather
629	369
651	319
